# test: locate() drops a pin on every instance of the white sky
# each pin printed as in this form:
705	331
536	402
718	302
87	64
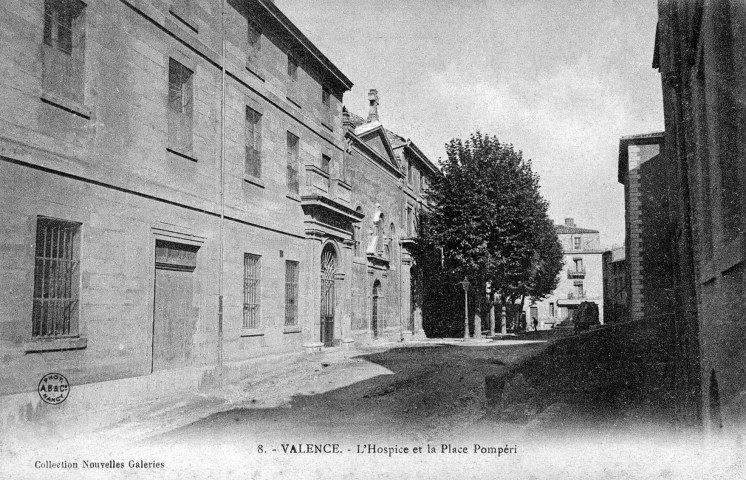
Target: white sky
561	80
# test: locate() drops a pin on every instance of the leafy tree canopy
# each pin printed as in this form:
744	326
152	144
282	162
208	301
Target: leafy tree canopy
488	216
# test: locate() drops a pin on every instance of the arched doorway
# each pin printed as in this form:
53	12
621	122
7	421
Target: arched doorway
328	269
375	313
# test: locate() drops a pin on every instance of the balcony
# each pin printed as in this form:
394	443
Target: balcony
576	273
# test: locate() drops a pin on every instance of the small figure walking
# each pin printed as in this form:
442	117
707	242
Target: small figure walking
536	325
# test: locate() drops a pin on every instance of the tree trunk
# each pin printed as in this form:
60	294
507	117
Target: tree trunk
528	320
477	317
503	317
492	316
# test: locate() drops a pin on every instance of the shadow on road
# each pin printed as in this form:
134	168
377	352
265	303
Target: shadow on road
428	392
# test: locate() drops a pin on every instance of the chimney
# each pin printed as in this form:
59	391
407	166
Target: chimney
569	222
373	101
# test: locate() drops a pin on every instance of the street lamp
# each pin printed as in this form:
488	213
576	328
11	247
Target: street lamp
465	285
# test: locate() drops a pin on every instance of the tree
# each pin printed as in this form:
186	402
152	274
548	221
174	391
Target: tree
489	219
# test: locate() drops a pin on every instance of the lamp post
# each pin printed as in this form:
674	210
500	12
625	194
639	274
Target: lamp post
492	308
465	285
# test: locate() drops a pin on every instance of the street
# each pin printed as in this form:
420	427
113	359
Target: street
407	393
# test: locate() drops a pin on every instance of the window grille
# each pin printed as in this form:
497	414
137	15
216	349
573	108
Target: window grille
253	136
251	290
56	278
291	293
292	163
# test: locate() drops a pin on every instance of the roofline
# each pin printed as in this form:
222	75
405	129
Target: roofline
419	154
274	11
373	153
626	141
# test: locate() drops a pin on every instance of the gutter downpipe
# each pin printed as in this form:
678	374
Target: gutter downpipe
222	184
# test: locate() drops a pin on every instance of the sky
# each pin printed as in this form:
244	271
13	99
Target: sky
561	80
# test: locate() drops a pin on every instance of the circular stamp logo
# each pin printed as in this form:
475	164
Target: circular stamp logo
54	388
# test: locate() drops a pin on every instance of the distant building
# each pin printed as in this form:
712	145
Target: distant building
615	285
699	53
648	232
581	279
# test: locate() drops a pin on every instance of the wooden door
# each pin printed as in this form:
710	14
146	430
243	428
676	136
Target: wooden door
374	314
174	316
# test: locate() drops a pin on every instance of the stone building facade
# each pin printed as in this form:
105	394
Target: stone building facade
699	53
581	278
616	308
182	201
648	230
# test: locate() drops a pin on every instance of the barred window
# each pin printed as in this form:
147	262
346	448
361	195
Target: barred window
251	290
291	293
64	44
56	279
181	106
253	137
292	163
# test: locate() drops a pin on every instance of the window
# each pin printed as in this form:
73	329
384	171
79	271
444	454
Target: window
325	163
357	234
409	221
291	293
292	159
326	101
578	264
181	106
64	48
551	309
422	182
409	173
576	243
292	78
390	244
578	293
380	233
253	136
252	273
56	279
254	45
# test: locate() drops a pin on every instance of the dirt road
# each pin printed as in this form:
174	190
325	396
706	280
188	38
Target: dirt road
416	392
